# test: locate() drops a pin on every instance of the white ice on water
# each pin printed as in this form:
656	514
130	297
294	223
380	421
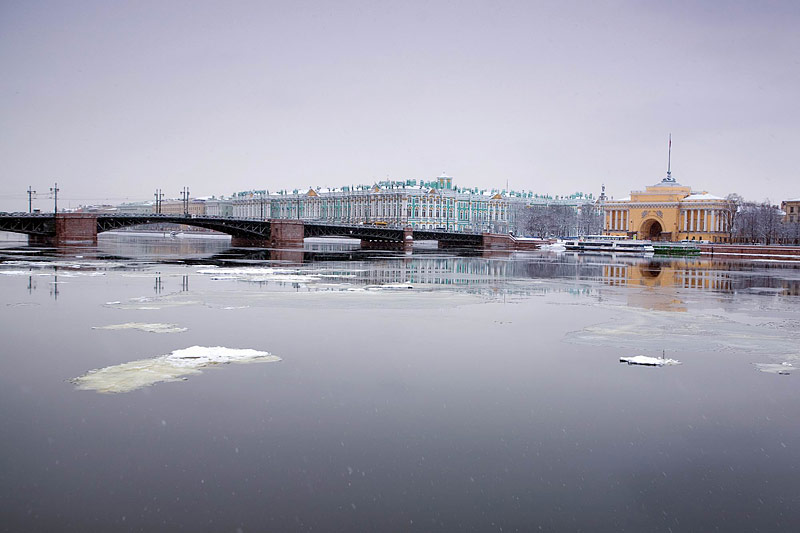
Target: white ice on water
141	326
783	369
259	274
646	360
175	366
753	331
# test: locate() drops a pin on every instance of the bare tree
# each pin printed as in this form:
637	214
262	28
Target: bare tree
590	220
734	203
757	223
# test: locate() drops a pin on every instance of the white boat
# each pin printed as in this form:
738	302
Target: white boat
609	244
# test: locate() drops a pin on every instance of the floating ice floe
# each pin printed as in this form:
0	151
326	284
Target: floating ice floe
23	273
141	326
152	302
783	369
175	366
701	330
389	287
259	274
646	360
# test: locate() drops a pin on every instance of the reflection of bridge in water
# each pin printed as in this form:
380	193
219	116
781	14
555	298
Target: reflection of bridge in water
83	228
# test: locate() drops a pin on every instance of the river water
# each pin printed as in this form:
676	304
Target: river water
153	384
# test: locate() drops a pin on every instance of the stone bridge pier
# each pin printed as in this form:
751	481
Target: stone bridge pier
282	234
498	241
70	228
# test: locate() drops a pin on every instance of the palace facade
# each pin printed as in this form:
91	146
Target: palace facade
435	205
669	211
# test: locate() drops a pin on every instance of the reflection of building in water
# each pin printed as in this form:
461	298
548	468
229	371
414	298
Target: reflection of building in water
791	287
426	270
699	274
669	277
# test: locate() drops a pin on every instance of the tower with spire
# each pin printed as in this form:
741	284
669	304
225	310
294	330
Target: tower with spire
669	178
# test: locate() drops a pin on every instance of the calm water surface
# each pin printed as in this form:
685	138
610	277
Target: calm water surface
427	392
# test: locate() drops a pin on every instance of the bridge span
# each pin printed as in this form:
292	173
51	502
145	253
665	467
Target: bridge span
83	228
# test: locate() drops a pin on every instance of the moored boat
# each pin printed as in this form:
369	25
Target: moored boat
676	248
606	244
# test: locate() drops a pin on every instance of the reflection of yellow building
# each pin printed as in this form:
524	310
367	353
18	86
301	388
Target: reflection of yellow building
669	211
692	274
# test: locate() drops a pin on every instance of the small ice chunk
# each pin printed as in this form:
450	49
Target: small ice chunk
646	360
782	369
141	326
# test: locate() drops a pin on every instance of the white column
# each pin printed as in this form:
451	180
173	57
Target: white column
683	227
712	226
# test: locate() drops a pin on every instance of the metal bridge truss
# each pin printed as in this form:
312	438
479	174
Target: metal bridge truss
30	224
250	229
44	224
372	233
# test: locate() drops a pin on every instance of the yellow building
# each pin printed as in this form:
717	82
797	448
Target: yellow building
791	208
669	211
177	207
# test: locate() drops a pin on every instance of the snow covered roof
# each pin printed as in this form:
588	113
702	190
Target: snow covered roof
702	196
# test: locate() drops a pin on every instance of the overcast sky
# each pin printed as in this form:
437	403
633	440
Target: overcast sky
116	99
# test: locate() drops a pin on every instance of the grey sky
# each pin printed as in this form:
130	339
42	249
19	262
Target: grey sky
115	99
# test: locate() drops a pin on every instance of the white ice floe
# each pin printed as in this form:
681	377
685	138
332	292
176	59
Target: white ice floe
141	326
145	303
174	366
389	287
646	360
23	273
259	274
783	369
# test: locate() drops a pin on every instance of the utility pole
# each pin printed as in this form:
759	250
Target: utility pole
31	192
185	196
55	190
159	200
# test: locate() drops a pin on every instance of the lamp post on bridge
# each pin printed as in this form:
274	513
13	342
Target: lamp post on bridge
185	197
31	192
55	190
159	200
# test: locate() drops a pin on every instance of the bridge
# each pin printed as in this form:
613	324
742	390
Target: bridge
83	228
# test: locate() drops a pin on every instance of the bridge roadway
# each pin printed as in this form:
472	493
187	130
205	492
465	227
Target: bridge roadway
82	228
